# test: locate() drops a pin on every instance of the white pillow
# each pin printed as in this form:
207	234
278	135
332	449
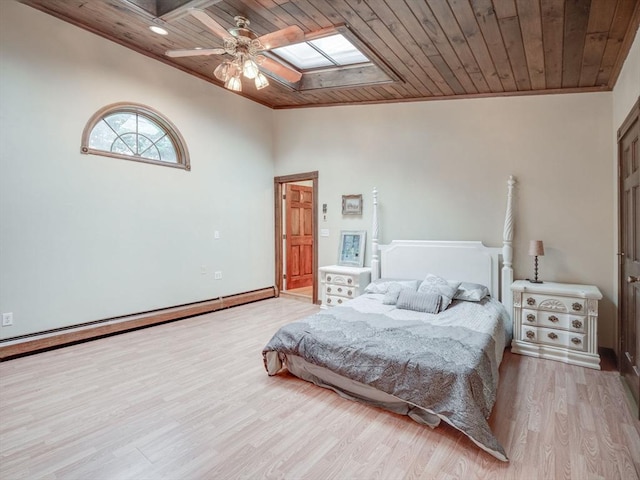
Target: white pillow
470	292
382	285
393	293
435	284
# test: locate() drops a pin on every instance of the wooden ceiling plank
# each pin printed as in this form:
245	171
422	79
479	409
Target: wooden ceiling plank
458	41
423	47
531	27
576	19
228	9
452	81
621	25
488	22
552	12
505	8
313	13
361	28
432	28
395	24
510	28
594	46
405	64
475	39
601	15
286	14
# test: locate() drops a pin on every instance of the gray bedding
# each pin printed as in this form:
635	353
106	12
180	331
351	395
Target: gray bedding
444	364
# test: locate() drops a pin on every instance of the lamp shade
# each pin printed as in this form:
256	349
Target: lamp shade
536	248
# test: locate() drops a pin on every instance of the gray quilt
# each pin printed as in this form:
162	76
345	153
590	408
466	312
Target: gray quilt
450	370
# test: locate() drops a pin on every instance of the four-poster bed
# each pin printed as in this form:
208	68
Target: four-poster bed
425	340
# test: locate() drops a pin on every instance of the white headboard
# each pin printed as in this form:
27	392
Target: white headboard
453	260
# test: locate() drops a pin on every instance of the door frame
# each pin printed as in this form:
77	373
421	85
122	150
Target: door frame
278	188
633	115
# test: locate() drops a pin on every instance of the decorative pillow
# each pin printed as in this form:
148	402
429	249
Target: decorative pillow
391	297
435	284
419	301
382	285
470	292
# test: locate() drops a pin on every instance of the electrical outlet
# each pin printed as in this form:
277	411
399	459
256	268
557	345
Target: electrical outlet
7	319
216	234
203	269
218	275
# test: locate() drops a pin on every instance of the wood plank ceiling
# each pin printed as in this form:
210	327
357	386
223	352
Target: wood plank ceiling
435	48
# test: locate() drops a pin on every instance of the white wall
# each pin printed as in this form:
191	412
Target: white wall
86	237
441	169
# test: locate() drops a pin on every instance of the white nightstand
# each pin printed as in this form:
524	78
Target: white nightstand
557	321
339	284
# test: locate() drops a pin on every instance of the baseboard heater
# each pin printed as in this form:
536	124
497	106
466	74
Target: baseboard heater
36	342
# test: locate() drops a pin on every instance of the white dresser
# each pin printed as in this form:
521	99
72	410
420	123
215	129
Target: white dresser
557	321
339	284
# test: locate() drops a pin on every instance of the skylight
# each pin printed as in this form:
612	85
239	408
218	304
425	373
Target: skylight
334	50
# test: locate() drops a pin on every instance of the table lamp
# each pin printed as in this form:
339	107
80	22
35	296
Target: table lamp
536	249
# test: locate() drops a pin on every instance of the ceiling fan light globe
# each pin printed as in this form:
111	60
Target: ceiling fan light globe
261	81
222	71
234	84
250	69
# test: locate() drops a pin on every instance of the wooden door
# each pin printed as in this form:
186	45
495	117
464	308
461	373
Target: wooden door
299	236
629	283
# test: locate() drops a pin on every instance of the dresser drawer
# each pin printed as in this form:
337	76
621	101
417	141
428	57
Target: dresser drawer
553	303
340	290
549	336
565	321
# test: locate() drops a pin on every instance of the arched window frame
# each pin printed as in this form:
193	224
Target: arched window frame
182	154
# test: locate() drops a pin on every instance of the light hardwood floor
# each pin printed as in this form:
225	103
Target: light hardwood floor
191	400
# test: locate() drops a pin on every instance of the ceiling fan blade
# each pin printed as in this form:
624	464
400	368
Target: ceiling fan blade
280	70
192	52
286	36
209	22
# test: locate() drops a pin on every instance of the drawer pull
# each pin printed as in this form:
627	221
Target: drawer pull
530	334
531	301
552	336
576	340
576	324
340	289
328	289
553	318
349	292
339	300
531	317
328	278
350	281
576	307
328	300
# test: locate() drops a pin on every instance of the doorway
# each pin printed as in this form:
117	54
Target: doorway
296	235
629	252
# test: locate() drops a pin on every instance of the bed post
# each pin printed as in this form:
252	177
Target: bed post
375	259
507	250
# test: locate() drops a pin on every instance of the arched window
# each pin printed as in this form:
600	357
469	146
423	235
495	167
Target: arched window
135	132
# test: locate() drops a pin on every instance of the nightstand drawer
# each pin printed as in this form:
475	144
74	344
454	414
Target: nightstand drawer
554	303
564	321
340	290
332	300
549	336
340	279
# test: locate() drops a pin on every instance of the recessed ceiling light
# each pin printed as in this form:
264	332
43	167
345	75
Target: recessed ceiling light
158	30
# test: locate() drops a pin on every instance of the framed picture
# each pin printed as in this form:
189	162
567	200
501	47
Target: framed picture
352	204
351	252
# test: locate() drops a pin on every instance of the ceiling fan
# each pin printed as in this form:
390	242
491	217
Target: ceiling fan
245	46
